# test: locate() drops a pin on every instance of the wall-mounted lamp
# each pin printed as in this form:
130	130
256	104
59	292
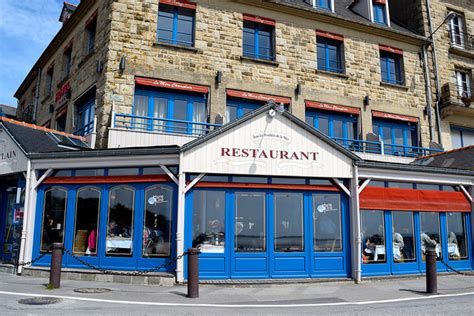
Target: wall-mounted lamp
298	89
366	100
218	77
123	62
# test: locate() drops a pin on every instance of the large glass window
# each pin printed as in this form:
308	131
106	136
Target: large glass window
289	222
330	54
170	112
54	211
373	236
403	237
157	221
430	233
120	221
250	230
462	137
209	220
86	221
398	137
341	127
175	25
457	236
327	222
392	68
258	40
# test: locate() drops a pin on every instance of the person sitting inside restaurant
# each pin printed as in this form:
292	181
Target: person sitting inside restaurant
398	245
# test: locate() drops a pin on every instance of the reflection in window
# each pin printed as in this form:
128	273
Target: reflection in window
327	222
430	233
53	217
373	236
457	237
250	233
157	221
403	237
87	221
289	232
209	221
120	221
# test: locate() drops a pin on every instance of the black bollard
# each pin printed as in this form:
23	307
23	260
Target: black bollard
56	262
431	274
193	272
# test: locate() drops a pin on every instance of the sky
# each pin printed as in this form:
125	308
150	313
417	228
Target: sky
26	28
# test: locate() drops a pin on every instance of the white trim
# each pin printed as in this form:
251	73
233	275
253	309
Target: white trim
356	240
170	174
469	196
342	186
362	187
40	180
180	222
193	183
26	212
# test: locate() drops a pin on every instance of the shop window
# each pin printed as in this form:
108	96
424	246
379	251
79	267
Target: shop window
462	137
121	211
456	30
398	137
430	233
258	39
91	29
400	185
289	222
379	12
391	67
341	127
176	25
286	180
67	61
323	4
457	236
85	111
209	221
463	83
250	232
170	112
86	221
327	222
89	172
54	211
123	172
330	54
239	179
157	221
373	236
403	237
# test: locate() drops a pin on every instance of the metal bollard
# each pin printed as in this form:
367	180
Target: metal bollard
431	274
193	272
56	262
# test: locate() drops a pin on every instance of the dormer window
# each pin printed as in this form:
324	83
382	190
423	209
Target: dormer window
324	4
379	11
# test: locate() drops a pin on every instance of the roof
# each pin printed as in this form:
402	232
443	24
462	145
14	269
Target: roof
461	158
248	116
8	110
342	9
414	168
36	139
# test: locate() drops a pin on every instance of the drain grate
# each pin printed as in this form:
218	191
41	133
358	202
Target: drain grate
93	290
39	300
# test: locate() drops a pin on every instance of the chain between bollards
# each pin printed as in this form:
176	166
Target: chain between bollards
56	262
431	273
193	272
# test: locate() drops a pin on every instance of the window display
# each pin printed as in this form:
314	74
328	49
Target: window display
289	223
430	233
327	222
54	211
457	237
250	232
403	240
87	221
120	221
373	236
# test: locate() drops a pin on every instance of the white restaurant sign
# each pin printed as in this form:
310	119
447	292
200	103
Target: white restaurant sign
12	159
268	146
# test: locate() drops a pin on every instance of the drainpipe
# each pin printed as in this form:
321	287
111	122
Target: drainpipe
180	221
28	186
37	93
429	99
355	227
435	66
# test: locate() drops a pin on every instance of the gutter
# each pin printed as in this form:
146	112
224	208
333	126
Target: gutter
429	99
37	94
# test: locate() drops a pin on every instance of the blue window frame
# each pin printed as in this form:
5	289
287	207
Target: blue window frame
176	25
380	15
398	137
258	40
342	128
85	117
238	107
323	4
392	68
170	112
462	137
330	54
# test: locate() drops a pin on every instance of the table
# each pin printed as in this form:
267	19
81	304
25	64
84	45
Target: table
379	250
208	248
118	242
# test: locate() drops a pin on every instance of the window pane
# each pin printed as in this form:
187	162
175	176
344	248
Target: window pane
321	54
457	237
185	27
231	112
157	222
123	171
180	113
165	24
209	221
249	39
265	42
403	237
430	232
373	236
89	172
200	116
140	108
160	111
120	221
250	233
323	125
289	223
337	129
53	217
87	222
327	222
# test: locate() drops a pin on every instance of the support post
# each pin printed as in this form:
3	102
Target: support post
431	276
193	272
56	262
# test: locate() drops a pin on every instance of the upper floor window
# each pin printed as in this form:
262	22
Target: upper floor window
379	12
323	4
67	60
176	23
340	126
330	52
91	29
61	116
391	65
456	30
398	137
463	83
462	137
49	80
258	38
85	110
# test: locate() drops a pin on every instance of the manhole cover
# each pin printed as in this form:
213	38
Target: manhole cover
92	290
39	300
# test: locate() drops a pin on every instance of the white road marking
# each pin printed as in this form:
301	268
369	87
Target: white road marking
395	300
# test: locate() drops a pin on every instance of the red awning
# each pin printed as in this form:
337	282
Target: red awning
171	85
257	96
332	107
397	117
394	199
